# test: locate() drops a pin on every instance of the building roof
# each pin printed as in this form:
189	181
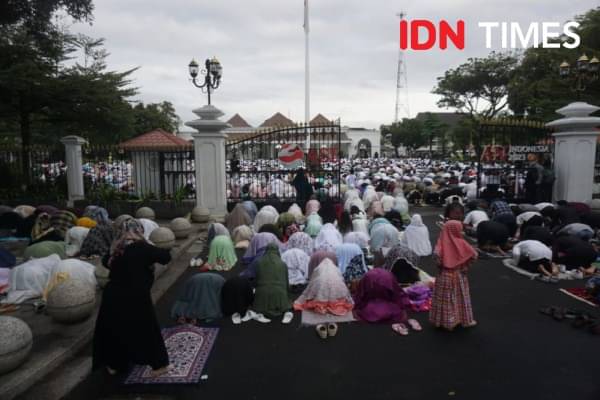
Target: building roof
238	122
319	119
277	120
157	139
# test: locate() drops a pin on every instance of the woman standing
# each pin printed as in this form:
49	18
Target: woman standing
127	331
451	303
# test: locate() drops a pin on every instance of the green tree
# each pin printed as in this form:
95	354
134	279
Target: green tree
434	129
462	135
152	116
536	88
407	133
479	86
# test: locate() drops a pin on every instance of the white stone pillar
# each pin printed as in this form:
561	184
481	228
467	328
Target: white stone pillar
74	167
209	149
575	152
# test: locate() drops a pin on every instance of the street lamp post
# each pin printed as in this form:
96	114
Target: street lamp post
213	71
584	73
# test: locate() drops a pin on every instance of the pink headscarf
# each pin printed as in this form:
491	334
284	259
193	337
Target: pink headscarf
451	248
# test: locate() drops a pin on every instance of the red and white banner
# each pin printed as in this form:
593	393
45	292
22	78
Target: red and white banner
291	155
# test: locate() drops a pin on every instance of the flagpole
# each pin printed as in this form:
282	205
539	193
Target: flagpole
306	77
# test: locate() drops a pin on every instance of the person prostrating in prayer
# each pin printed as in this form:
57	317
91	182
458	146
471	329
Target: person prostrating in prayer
127	331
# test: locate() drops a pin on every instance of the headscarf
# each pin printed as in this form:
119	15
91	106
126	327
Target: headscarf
345	253
41	227
451	248
271	296
98	240
369	196
312	206
74	239
216	229
237	217
221	256
242	236
317	257
271	228
266	215
130	231
297	264
360	225
86	222
302	241
24	211
251	209
416	237
379	298
296	211
376	208
387	202
313	225
326	292
328	238
62	221
359	238
284	220
384	236
149	226
259	241
401	204
400	252
376	222
96	213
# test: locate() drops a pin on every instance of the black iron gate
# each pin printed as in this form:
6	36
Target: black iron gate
262	165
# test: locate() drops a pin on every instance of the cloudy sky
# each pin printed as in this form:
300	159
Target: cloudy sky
354	50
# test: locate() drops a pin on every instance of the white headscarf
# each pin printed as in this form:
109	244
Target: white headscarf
297	264
387	202
296	211
416	237
359	238
266	215
328	238
360	225
401	204
149	226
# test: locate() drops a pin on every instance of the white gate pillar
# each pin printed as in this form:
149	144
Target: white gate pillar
74	162
209	155
575	152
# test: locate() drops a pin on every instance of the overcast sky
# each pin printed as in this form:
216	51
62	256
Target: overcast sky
260	43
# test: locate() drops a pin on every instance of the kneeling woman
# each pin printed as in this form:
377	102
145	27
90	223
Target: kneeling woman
451	303
200	300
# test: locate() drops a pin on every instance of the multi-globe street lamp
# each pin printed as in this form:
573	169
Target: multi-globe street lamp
212	71
582	74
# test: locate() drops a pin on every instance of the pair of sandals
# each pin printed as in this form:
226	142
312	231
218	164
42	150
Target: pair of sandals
580	319
325	331
402	329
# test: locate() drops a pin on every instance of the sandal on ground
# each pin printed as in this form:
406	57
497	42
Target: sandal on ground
261	318
249	315
236	319
332	329
400	329
155	373
414	324
322	331
287	317
470	324
111	371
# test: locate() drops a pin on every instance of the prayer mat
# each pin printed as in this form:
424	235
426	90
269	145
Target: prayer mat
581	295
486	254
313	318
188	347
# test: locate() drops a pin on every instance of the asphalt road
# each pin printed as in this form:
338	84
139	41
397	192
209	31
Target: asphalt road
514	353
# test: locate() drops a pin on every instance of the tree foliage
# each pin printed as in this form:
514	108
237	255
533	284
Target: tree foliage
152	116
479	86
407	133
536	88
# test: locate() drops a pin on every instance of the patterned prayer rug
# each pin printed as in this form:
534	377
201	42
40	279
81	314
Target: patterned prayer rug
188	347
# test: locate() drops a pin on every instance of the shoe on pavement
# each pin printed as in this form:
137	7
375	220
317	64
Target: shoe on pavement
236	319
262	319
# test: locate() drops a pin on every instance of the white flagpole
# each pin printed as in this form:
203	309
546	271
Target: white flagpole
306	76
